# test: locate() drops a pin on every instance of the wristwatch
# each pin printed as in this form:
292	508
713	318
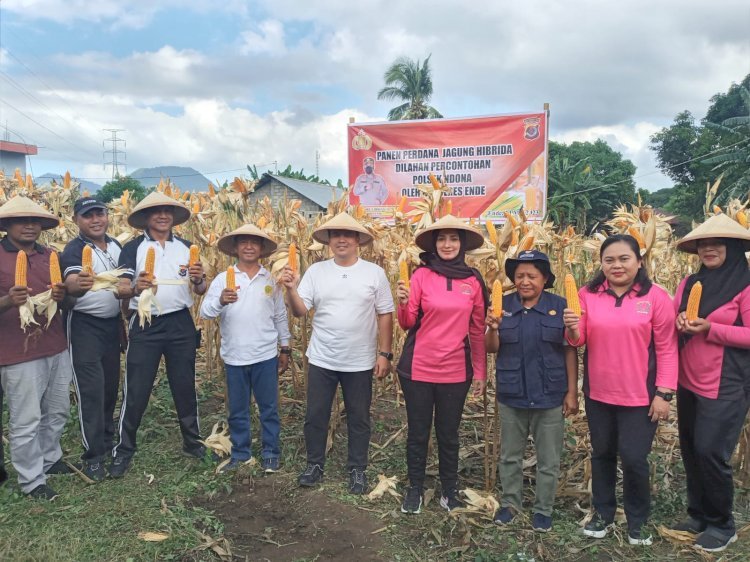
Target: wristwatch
387	354
667	396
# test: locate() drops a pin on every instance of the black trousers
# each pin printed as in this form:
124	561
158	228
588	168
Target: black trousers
95	353
629	432
173	337
444	402
321	389
709	431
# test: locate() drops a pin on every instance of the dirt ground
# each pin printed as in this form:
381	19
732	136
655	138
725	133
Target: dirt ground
271	519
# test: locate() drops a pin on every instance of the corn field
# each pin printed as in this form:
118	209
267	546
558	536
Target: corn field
217	212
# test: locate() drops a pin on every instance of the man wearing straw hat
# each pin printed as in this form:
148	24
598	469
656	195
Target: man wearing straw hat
353	310
253	320
170	333
93	328
35	367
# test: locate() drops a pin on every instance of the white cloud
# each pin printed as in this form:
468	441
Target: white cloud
269	39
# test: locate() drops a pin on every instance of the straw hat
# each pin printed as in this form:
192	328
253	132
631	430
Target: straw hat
425	240
23	207
718	226
226	242
137	219
342	221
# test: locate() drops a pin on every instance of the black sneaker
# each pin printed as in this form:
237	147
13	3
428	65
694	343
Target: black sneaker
713	540
312	475
504	515
690	525
60	467
542	523
43	492
195	452
231	466
357	481
412	500
94	470
449	500
120	466
597	528
637	537
269	466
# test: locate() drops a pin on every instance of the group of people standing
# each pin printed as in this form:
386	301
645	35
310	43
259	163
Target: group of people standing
641	351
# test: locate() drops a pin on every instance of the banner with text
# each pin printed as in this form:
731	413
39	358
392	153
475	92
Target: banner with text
490	164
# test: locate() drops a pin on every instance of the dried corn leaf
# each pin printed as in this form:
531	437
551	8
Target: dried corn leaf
385	485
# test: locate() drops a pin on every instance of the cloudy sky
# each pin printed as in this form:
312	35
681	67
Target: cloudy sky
218	85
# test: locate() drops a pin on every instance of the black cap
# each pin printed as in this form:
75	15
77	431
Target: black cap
530	256
85	204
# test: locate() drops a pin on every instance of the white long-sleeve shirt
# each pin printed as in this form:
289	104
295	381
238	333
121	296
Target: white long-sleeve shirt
250	327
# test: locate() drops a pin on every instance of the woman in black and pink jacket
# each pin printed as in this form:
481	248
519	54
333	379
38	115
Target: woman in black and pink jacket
714	377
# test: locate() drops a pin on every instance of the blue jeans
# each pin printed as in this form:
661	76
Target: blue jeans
261	378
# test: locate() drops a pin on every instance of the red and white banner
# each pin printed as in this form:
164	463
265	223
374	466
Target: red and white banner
490	164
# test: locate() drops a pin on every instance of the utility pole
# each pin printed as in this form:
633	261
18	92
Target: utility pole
114	156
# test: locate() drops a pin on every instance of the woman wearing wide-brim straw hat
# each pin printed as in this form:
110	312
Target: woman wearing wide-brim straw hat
138	217
443	309
352	331
20	207
713	391
253	321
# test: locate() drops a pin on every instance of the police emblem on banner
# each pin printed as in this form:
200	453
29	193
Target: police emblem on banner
531	128
362	141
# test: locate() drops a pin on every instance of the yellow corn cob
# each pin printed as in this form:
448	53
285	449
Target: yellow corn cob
514	237
633	231
262	222
197	207
497	299
29	182
741	218
434	181
571	294
87	259
403	273
150	262
571	230
511	219
66	180
717	210
55	275
86	193
694	301
168	191
293	257
195	255
211	190
124	198
231	282
186	196
402	204
528	243
491	231
449	207
19	179
359	211
21	265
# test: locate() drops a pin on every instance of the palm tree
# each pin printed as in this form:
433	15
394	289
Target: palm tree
410	82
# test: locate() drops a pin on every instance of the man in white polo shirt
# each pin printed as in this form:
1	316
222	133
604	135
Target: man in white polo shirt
253	321
352	332
171	331
93	328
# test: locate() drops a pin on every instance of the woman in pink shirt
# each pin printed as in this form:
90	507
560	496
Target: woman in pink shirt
443	310
714	383
630	373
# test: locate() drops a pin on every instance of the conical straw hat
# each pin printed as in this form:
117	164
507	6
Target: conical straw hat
137	219
23	207
342	221
718	226
425	240
226	242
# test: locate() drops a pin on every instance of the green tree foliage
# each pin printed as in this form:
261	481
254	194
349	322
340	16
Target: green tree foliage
114	189
601	175
288	172
685	152
410	82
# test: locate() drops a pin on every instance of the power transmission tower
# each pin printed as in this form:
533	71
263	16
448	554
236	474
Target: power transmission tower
317	163
116	156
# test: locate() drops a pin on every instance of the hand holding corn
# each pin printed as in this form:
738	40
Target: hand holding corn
571	320
195	267
289	278
17	296
402	293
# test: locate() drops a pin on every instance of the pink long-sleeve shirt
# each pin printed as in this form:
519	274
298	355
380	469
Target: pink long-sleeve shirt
449	334
624	337
717	364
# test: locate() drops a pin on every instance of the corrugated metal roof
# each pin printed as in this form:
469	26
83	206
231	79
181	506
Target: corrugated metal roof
318	192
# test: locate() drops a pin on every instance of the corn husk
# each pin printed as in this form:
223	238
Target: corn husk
146	302
107	280
484	503
218	441
45	305
26	313
385	485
